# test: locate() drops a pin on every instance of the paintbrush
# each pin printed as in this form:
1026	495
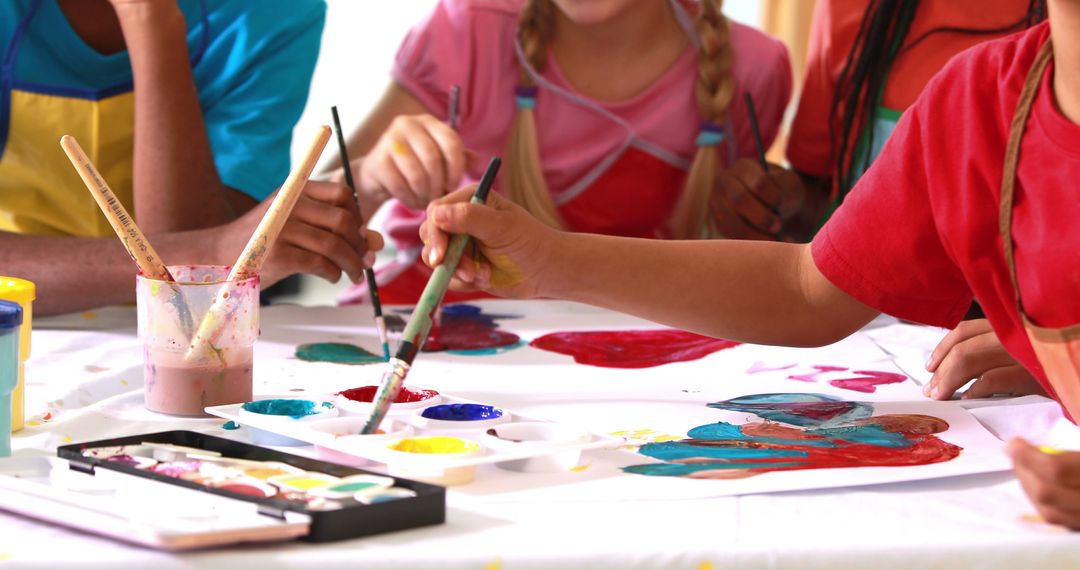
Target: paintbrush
136	244
259	245
760	150
452	117
369	273
416	331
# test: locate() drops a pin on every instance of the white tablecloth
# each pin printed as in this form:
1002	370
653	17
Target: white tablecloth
85	383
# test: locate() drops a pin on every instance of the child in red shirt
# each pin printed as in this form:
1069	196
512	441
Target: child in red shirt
939	218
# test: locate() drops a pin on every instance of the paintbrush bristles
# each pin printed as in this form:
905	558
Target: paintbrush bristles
138	247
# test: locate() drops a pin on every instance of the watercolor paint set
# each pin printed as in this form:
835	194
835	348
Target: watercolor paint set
181	490
426	435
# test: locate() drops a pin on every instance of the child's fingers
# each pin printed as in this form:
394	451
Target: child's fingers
962	332
751	175
435	243
1014	380
384	175
428	154
1062	467
451	152
408	165
292	259
969	359
327	244
336	220
1049	481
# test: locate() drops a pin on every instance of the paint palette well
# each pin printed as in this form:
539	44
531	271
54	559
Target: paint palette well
423	443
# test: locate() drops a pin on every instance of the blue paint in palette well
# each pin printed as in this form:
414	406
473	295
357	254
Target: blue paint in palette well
462	412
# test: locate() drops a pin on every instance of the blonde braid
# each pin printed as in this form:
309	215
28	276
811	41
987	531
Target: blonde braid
526	185
715	89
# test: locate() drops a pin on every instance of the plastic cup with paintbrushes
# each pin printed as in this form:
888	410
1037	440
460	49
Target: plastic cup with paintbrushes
369	273
416	331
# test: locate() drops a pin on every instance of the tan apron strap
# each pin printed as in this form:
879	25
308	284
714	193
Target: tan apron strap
1012	160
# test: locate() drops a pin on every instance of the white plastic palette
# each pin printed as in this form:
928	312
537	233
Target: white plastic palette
443	468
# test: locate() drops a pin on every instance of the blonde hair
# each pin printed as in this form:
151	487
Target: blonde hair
714	90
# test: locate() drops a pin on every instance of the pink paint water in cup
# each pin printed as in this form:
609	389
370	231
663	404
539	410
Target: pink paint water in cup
169	314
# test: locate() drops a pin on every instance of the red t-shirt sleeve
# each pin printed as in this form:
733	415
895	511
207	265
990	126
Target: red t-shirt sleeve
883	246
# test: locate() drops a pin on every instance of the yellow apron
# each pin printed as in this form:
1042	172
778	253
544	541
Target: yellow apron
40	193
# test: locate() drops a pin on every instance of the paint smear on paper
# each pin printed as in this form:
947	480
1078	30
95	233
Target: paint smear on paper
467	329
632	348
760	366
336	352
819	370
820	432
869	381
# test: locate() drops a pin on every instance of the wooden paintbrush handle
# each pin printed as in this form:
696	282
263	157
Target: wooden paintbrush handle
138	247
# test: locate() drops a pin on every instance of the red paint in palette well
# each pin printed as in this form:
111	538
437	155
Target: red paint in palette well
631	349
405	395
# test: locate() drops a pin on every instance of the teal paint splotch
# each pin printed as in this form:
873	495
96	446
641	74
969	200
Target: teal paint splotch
230	425
337	353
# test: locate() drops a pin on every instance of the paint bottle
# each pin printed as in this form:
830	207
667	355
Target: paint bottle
11	318
22	292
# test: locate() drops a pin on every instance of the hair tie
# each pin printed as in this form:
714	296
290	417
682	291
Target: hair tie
525	97
711	134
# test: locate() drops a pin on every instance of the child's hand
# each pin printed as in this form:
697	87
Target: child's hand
416	160
322	236
751	204
1051	481
510	248
972	350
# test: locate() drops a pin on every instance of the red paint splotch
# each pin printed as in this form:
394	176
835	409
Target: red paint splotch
633	348
465	327
818	371
869	381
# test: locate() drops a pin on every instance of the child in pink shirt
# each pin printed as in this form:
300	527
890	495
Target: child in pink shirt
591	154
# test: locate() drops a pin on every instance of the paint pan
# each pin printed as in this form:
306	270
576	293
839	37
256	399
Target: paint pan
528	435
285	411
350	487
461	416
357	401
384	496
248	486
344	432
422	459
304	482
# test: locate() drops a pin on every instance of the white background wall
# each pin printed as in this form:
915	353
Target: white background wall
359	43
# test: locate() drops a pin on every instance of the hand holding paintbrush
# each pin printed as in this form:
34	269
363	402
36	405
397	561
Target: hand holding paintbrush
262	240
416	331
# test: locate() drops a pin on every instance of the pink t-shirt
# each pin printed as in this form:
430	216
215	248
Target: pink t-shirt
918	235
472	44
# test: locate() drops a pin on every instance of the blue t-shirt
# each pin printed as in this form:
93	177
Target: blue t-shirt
252	63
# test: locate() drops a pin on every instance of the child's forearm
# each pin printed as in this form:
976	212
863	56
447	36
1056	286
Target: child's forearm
754	291
176	184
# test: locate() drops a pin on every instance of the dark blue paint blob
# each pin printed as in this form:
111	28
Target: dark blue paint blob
462	412
295	409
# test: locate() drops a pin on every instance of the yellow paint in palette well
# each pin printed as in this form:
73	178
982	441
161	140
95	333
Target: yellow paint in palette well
304	483
264	473
435	444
